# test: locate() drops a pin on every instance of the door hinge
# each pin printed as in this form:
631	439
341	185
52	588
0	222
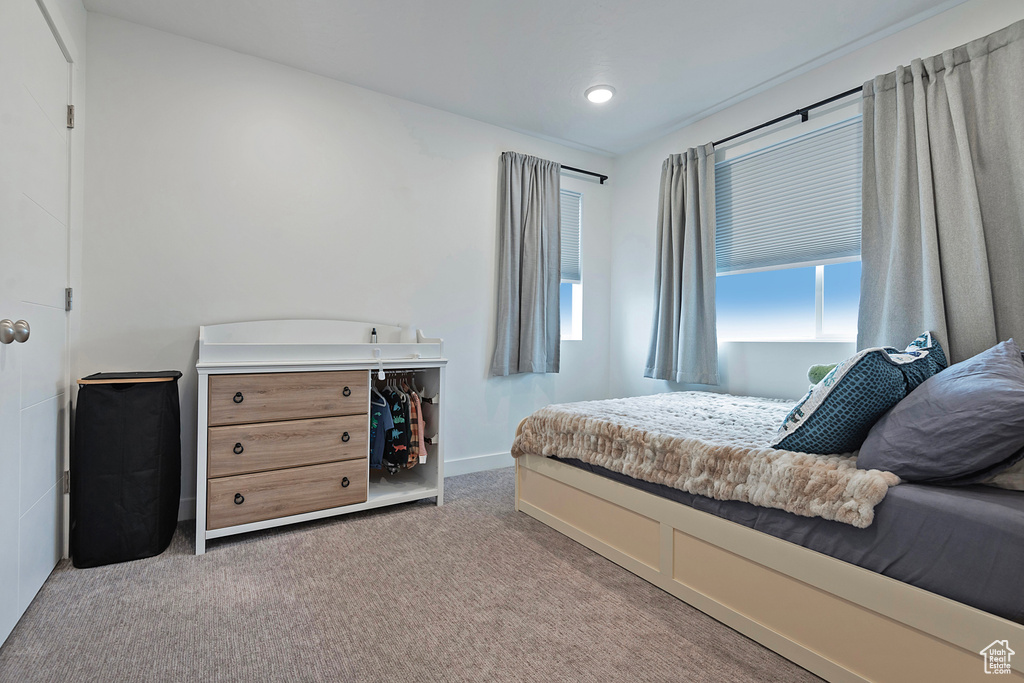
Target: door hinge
69	295
71	116
67	481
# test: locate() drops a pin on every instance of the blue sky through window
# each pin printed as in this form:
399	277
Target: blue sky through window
770	304
842	297
780	304
565	307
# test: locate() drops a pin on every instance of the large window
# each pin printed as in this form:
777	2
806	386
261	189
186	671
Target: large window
571	289
787	238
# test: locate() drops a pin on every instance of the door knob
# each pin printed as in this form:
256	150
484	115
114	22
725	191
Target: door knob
14	332
21	331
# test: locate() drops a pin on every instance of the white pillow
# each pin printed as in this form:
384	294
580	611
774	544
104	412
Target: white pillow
1010	478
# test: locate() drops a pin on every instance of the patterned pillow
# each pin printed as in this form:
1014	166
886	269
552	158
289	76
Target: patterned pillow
837	413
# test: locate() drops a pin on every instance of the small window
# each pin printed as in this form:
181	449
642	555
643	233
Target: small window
571	288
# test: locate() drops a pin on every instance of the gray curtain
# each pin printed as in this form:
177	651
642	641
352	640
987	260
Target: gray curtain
529	265
684	342
943	221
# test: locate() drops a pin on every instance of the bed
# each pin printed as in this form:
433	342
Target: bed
902	597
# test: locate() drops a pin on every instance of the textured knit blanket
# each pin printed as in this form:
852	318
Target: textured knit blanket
713	445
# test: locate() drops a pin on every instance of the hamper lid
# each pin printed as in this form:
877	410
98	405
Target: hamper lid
130	377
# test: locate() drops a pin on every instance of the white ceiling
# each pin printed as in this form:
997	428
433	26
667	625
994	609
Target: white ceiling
524	64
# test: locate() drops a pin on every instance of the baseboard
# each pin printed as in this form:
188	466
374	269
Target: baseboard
186	509
477	463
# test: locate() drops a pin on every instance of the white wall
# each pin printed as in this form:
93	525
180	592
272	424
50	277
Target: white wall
222	188
769	369
774	369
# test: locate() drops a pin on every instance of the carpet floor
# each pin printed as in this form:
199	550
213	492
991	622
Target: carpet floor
470	591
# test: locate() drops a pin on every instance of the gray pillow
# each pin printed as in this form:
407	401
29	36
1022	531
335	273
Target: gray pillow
961	426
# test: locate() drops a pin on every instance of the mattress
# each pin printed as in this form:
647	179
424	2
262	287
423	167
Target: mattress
964	543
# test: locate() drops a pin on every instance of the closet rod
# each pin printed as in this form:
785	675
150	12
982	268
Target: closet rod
801	112
580	170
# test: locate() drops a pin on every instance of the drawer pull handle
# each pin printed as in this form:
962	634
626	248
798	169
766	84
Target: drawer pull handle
345	482
238	449
346	391
238	398
239	499
345	437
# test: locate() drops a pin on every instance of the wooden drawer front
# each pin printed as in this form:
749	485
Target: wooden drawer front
242	449
280	493
239	399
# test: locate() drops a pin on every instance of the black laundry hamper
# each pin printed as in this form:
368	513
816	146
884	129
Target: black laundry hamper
125	467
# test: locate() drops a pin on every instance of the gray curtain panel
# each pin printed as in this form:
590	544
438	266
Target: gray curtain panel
943	221
684	341
529	265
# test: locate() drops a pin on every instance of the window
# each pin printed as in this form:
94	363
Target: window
787	238
812	302
571	289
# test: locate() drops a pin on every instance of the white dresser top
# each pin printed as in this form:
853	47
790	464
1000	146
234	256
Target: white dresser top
314	343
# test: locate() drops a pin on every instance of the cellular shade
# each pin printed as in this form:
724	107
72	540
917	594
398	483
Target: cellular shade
797	202
572	206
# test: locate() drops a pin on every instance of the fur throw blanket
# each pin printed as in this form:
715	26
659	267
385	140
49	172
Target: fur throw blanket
714	445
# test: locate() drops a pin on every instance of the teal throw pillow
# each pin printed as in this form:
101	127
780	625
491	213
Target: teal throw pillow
837	413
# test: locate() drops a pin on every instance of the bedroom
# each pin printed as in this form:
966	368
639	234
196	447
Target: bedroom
213	182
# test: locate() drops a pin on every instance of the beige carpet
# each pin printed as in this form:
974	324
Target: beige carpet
471	591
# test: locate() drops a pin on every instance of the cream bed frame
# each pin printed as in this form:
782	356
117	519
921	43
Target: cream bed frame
840	621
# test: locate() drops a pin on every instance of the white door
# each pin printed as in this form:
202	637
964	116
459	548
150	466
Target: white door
34	87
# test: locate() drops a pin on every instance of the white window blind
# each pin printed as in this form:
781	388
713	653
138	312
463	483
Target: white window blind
572	208
797	202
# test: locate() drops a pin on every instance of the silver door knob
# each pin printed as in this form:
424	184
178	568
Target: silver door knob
14	331
21	331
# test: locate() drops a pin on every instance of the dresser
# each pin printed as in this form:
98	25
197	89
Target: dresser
284	422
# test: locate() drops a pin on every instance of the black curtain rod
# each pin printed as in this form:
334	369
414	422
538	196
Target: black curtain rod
580	170
802	113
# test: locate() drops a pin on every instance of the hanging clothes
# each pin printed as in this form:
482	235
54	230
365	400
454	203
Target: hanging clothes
380	424
396	447
414	429
418	428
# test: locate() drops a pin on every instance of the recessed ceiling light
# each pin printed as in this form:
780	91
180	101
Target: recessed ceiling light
599	94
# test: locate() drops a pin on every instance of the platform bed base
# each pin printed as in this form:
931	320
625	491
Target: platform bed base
840	621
